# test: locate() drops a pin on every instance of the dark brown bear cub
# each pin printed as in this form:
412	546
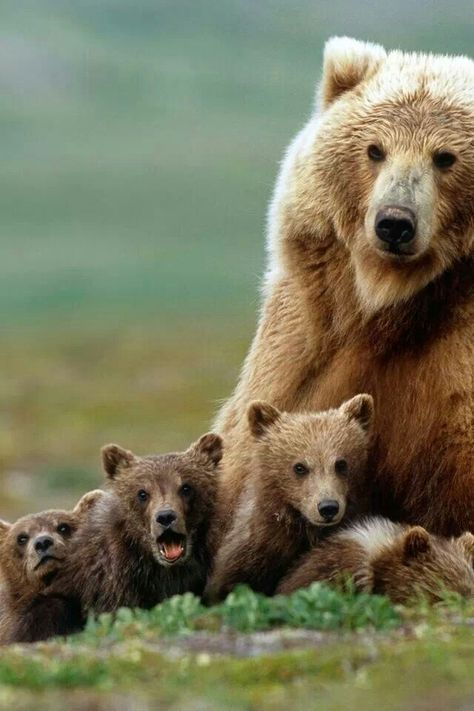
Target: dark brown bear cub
393	559
307	475
147	541
33	552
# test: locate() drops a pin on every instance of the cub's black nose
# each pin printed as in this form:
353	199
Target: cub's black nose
328	509
166	517
43	543
395	225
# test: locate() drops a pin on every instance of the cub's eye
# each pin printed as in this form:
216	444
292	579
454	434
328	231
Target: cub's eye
142	495
186	490
22	539
300	469
444	159
375	153
341	466
64	529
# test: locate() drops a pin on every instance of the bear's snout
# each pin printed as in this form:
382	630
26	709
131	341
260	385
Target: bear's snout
395	226
328	508
43	544
166	517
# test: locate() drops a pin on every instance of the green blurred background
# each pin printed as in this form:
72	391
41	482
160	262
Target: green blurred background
139	142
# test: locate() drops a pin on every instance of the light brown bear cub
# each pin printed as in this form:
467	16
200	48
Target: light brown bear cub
33	552
379	556
148	539
306	476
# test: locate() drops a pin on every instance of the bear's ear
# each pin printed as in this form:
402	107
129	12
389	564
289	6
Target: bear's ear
416	542
114	459
4	528
261	415
346	63
210	446
467	543
87	502
361	409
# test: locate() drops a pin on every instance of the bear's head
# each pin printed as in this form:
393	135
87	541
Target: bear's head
386	166
310	461
165	499
35	548
420	564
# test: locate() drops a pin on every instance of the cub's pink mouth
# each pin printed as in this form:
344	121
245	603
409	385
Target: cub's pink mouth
172	546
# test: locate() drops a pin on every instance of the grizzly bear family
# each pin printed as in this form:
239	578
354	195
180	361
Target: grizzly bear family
370	289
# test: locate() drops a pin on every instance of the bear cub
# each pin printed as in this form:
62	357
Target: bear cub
397	560
307	475
147	539
33	553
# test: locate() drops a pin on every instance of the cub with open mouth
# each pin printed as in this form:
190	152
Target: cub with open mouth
34	552
308	474
149	541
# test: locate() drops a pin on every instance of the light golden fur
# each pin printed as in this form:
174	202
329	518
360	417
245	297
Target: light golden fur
339	315
379	556
296	468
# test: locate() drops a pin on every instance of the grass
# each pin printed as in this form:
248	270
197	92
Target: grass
317	607
65	394
181	653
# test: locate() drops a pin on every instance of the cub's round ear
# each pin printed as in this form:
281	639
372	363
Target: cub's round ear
416	542
261	415
211	446
347	62
87	502
466	541
115	459
4	528
361	409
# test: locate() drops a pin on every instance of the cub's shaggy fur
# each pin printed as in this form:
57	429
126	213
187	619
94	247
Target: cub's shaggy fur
147	539
392	559
307	475
33	553
347	312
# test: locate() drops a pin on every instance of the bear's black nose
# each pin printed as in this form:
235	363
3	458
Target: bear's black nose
166	517
395	226
43	543
328	509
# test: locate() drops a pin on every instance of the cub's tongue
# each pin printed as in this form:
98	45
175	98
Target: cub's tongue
172	550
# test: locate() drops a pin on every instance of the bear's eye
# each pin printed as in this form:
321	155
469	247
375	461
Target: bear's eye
64	529
22	539
444	159
300	469
375	153
341	466
186	490
142	495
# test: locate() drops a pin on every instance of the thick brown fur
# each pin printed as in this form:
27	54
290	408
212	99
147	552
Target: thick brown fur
29	609
301	461
120	559
400	561
341	315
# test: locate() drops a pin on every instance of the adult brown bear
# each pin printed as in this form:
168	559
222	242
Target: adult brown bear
370	279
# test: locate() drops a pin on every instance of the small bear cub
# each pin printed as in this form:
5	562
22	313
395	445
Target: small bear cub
147	541
33	552
307	476
393	559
